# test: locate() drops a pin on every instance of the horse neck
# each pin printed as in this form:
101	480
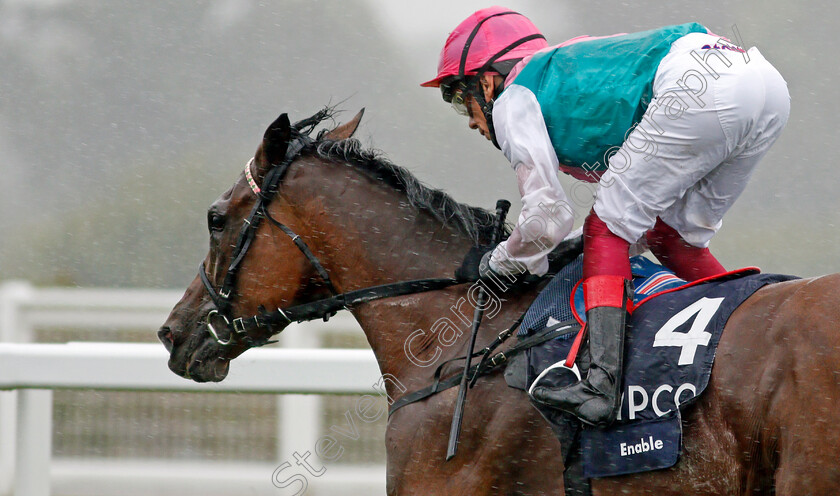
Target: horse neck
374	237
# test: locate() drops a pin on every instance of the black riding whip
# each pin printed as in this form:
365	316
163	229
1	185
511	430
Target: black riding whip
502	207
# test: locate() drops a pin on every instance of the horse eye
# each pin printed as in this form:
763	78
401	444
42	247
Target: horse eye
215	221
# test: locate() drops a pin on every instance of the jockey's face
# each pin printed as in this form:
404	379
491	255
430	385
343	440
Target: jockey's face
477	120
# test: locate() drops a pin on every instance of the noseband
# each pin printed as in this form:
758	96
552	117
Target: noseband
237	329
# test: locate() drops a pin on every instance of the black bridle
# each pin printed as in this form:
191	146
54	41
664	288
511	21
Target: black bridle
276	321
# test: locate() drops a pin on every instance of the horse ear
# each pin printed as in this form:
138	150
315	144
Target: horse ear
276	139
345	131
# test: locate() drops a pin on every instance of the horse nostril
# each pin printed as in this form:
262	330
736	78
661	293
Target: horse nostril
165	336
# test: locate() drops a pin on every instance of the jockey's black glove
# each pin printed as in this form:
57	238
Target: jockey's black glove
476	266
469	270
484	269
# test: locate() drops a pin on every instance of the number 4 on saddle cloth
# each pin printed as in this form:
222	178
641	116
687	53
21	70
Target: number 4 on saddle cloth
672	336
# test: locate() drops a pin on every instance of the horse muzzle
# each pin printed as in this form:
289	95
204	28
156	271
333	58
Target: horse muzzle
196	354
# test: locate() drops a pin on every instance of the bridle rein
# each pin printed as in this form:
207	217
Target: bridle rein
237	329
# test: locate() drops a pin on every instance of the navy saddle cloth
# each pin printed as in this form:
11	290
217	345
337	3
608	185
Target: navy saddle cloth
669	351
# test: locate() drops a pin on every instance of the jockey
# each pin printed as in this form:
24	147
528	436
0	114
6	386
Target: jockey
670	124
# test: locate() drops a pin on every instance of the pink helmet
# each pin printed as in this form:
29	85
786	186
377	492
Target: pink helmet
488	36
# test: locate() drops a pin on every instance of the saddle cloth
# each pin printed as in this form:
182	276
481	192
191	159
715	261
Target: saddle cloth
670	347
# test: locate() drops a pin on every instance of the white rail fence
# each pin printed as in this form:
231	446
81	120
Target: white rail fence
30	372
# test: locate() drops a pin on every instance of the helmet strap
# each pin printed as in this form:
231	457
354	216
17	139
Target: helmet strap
487	109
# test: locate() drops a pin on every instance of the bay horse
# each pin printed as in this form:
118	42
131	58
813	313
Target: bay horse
767	423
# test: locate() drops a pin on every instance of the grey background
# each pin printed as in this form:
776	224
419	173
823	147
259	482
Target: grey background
120	122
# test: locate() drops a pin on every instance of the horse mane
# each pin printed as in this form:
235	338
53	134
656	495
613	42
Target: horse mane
475	223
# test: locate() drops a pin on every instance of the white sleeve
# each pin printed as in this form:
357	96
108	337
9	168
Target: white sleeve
546	217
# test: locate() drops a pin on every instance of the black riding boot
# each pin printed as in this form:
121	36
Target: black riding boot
596	399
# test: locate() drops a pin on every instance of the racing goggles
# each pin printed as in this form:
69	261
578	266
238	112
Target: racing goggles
455	93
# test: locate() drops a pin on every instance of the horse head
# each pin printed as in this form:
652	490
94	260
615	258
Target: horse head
256	259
